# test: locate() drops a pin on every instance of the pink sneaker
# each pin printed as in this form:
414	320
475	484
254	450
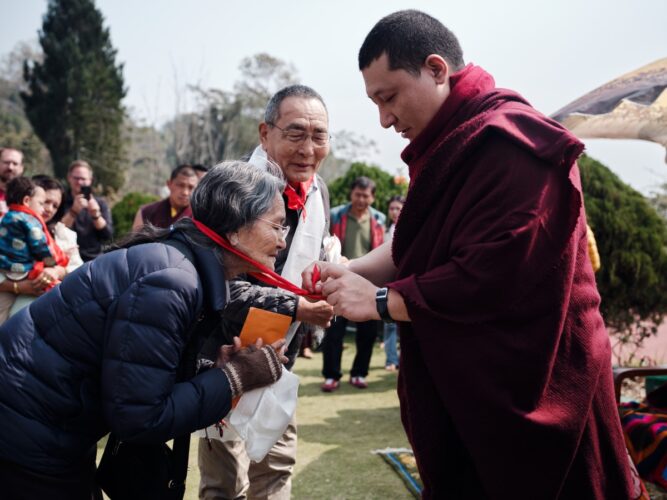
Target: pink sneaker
330	385
359	382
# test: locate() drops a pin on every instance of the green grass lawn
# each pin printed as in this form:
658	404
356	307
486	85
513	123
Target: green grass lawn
336	434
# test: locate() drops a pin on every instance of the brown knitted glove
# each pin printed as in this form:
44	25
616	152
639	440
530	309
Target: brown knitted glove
251	368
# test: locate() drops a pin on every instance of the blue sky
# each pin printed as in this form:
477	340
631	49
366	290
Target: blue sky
550	51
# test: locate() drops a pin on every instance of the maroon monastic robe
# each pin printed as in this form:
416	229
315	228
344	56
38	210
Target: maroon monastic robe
505	382
159	213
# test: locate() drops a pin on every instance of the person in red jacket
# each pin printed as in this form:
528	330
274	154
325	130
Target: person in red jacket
505	385
360	229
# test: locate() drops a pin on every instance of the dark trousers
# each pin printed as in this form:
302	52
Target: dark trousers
332	348
19	483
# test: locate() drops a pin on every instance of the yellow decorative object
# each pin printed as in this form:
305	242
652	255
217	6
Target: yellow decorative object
592	249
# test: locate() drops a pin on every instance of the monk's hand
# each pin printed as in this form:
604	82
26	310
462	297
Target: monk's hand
315	313
350	295
310	277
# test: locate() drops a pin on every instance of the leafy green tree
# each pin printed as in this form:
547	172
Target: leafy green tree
124	211
658	199
74	96
632	242
386	185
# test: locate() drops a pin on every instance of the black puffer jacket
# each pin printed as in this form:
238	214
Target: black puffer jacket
100	352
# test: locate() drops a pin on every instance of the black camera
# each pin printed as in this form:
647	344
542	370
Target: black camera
86	191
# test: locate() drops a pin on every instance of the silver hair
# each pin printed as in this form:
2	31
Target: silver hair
272	112
231	195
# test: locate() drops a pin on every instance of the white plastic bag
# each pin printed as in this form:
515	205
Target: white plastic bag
262	415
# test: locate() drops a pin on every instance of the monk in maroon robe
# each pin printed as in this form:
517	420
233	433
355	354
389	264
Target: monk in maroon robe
505	383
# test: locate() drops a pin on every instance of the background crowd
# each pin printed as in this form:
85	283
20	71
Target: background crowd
485	263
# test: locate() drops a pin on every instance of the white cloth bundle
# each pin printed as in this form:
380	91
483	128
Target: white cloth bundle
262	415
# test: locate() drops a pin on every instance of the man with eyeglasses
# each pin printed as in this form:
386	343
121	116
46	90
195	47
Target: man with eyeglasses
294	136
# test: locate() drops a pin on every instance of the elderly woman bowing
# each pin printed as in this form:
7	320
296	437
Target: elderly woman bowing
101	352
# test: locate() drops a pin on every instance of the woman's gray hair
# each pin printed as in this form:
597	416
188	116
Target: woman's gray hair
231	195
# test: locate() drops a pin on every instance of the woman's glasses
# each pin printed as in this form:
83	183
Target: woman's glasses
284	230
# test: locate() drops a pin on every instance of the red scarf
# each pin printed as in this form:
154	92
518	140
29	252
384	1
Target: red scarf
264	274
58	255
296	196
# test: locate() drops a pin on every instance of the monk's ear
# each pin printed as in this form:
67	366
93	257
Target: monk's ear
437	67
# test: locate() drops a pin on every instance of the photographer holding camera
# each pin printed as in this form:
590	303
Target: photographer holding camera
85	213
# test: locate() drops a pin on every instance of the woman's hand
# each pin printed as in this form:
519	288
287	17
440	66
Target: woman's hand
47	279
254	366
316	313
34	287
227	352
23	287
52	275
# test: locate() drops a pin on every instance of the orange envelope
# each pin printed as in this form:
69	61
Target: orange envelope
267	325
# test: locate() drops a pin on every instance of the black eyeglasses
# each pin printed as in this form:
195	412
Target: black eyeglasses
320	139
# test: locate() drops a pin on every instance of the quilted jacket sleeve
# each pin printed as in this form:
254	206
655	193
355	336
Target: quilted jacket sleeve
146	338
242	296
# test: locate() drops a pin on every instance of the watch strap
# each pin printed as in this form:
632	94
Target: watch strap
381	303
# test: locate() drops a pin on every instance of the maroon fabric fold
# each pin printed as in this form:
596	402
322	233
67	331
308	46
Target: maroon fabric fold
505	380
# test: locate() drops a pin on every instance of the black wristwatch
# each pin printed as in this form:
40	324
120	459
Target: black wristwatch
381	297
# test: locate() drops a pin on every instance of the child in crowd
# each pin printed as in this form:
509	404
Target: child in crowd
26	245
390	350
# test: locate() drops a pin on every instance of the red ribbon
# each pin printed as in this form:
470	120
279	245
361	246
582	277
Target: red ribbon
265	274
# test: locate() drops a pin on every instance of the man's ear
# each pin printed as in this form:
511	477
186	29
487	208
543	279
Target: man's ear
25	200
437	67
234	239
263	133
